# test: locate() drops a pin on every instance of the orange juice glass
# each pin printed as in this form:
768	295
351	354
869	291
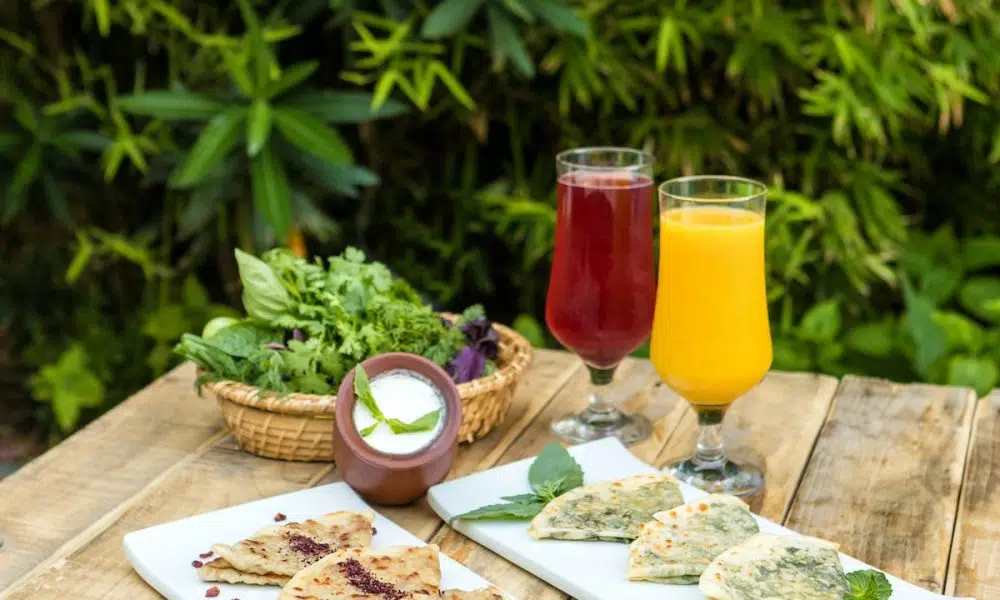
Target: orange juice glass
711	342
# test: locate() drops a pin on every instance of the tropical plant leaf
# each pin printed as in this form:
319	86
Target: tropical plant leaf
561	17
507	42
292	77
258	126
449	17
343	107
56	201
260	55
270	191
172	105
311	135
216	140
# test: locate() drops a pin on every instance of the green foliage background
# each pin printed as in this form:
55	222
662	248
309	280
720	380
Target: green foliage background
141	140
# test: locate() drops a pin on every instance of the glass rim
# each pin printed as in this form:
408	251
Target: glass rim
646	159
761	189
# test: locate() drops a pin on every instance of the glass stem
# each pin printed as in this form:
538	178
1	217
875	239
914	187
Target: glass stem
710	453
599	379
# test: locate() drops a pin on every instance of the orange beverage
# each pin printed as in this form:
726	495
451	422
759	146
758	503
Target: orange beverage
711	342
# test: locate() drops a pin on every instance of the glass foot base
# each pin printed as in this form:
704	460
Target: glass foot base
591	425
725	478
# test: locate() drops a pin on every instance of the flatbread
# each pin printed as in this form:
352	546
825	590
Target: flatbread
390	573
681	542
776	566
611	511
490	593
275	553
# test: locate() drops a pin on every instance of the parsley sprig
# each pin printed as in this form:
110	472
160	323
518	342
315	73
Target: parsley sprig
363	393
553	473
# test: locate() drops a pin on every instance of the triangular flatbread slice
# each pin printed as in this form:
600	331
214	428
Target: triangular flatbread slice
612	511
681	542
490	593
776	566
390	573
276	552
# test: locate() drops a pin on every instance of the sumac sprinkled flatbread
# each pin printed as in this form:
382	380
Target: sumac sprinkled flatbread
390	573
490	593
765	566
681	542
612	511
275	553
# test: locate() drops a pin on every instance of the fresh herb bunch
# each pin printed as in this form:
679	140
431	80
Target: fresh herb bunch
308	324
551	475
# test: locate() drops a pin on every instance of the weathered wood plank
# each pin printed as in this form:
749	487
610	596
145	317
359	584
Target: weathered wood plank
94	566
773	427
885	476
974	567
65	491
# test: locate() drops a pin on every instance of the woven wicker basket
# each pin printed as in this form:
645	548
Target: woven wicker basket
300	426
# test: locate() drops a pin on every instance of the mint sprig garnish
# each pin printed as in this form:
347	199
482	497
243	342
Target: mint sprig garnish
552	474
363	393
868	585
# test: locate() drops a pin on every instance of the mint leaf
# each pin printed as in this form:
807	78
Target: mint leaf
367	431
363	393
868	585
511	511
550	490
522	498
554	464
424	423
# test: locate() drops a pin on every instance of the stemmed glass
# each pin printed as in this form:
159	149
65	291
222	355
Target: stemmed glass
711	341
602	287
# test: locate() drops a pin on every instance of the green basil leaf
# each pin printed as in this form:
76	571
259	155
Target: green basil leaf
425	423
512	511
868	585
264	296
363	394
554	464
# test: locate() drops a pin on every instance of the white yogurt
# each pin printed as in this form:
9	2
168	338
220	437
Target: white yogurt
405	395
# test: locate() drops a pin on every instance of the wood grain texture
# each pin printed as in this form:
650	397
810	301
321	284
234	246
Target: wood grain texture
773	427
59	495
885	476
974	568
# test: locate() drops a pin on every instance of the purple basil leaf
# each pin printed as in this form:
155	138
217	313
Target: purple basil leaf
467	365
479	333
298	335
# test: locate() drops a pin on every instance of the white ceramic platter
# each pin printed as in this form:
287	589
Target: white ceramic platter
162	555
584	570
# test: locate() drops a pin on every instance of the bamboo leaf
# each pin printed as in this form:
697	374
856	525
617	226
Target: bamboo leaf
561	17
335	177
172	105
292	77
258	126
102	14
449	16
82	140
259	53
507	43
520	10
270	191
343	107
56	200
236	65
310	134
215	142
454	86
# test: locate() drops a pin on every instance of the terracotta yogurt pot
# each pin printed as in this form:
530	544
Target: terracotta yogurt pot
394	479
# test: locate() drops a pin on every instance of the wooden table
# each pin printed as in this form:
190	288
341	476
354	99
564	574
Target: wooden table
905	477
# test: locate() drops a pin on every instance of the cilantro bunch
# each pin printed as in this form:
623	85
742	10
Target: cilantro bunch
309	323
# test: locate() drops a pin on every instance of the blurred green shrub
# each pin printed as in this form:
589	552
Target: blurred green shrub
140	140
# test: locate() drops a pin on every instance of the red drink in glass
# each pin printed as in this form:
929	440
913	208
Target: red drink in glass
602	290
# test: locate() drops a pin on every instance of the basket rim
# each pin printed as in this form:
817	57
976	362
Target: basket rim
301	404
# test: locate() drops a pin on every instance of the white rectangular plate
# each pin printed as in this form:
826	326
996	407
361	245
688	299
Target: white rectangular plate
162	555
584	570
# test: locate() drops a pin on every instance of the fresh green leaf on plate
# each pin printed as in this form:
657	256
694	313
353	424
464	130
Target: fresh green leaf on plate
554	464
868	585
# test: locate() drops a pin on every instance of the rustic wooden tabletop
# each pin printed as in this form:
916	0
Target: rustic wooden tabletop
904	477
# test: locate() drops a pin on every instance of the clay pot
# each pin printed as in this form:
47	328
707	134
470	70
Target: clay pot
394	479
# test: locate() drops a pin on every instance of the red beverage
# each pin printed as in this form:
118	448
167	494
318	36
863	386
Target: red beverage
602	290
